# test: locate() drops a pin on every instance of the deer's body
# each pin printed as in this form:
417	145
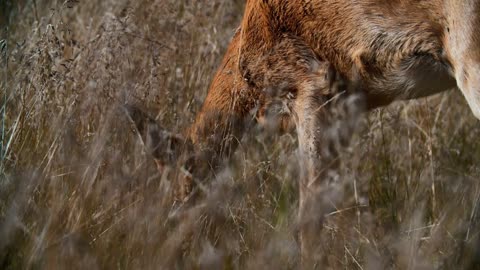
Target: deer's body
400	48
384	49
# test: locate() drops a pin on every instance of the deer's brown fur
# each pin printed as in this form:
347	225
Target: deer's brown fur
388	43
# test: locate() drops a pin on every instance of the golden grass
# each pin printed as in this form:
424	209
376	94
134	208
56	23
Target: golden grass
78	191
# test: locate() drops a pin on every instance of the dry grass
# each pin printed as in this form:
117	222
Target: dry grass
78	191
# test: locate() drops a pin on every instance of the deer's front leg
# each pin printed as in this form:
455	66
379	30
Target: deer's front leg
291	68
324	124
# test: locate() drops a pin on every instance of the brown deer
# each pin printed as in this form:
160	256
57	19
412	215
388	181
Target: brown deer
361	54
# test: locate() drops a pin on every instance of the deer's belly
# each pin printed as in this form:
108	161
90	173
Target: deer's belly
415	77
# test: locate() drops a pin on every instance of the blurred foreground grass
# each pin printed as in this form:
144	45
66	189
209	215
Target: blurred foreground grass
78	191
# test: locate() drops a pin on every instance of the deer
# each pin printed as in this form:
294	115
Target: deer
361	54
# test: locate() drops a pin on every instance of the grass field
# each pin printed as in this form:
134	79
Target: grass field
78	191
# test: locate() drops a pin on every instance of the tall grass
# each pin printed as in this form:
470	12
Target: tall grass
77	189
